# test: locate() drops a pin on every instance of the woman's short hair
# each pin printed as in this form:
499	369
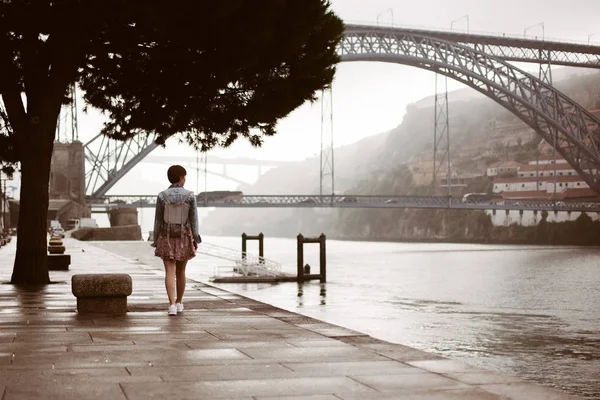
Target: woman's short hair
175	173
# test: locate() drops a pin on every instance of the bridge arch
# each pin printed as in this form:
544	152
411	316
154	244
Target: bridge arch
550	113
547	111
108	165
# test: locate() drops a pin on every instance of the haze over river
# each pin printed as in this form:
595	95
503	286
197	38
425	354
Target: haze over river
527	311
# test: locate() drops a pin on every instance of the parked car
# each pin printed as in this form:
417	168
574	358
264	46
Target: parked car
58	232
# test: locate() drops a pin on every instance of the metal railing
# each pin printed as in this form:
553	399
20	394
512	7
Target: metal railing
249	265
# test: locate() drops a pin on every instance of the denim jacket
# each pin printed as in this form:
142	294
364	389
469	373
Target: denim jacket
176	193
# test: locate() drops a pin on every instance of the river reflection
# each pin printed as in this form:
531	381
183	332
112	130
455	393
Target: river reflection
527	311
322	294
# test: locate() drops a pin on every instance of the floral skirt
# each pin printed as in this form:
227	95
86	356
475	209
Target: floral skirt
180	249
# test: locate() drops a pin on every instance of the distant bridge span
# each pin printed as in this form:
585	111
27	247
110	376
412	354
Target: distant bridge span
101	205
478	61
218	160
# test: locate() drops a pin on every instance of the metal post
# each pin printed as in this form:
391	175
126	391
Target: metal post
458	19
327	164
261	247
537	165
441	132
244	239
205	155
300	250
322	258
390	10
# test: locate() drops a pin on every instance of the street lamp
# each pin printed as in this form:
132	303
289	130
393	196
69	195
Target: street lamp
458	19
533	26
390	10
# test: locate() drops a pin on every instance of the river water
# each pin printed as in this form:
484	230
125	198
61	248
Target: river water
527	311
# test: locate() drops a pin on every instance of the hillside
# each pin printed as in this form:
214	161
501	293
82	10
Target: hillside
380	165
351	166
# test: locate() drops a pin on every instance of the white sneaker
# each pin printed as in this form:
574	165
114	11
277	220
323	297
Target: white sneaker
172	310
179	307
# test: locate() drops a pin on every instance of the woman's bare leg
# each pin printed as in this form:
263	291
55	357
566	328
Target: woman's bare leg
180	279
170	280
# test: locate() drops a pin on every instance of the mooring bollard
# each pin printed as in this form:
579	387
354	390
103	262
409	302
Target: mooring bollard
57	259
261	245
55	245
302	276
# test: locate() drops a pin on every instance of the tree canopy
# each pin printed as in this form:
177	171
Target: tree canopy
208	72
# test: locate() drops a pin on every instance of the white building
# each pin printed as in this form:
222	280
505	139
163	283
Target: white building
543	184
503	168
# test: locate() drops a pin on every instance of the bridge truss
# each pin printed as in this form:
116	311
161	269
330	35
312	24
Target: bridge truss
550	113
109	160
507	48
479	61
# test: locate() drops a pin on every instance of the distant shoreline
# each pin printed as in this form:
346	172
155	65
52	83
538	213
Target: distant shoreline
430	240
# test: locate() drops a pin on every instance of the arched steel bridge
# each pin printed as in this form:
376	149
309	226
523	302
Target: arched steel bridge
478	61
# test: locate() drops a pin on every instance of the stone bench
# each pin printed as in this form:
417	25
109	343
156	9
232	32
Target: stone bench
101	293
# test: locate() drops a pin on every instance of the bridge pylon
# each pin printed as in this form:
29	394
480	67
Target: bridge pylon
327	171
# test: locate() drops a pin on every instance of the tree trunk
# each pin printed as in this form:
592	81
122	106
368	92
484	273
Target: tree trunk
31	262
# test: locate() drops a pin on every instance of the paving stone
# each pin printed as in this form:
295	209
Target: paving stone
215	372
443	366
314	397
233	344
79	391
175	357
527	391
352	368
313	343
483	377
167	345
409	382
140	337
450	394
66	337
322	354
225	389
7	337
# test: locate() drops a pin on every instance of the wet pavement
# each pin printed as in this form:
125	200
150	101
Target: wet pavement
222	346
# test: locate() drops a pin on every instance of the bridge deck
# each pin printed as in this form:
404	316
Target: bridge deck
486	39
506	48
351	201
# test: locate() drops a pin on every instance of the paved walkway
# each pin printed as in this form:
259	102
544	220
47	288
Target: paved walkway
222	346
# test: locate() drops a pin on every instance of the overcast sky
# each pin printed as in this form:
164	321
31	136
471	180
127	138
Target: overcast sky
370	98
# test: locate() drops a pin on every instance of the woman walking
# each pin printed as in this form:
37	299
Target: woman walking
176	235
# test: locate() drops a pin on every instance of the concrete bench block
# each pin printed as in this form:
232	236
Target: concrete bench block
59	262
101	293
